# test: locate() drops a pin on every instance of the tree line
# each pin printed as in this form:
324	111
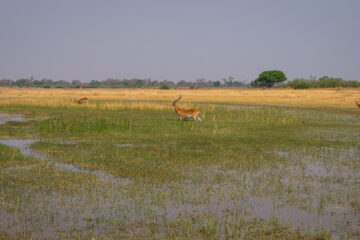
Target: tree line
323	82
121	83
267	79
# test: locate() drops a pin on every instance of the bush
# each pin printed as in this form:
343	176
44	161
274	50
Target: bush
302	85
165	86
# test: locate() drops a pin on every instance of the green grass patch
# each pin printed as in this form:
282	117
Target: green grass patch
12	157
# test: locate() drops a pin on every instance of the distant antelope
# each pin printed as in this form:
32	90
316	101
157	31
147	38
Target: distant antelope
357	102
81	100
186	113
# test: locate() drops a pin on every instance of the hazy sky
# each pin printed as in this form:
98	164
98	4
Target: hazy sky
178	40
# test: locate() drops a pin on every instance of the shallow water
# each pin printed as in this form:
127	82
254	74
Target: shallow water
332	218
338	218
219	200
124	145
4	118
67	142
236	107
24	146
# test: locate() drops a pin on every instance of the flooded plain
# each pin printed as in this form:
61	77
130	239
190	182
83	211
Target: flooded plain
185	199
313	190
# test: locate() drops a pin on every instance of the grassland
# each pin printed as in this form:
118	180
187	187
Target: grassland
263	164
113	98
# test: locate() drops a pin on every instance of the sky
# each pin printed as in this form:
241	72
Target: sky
178	40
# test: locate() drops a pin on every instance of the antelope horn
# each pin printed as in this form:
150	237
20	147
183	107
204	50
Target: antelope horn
178	99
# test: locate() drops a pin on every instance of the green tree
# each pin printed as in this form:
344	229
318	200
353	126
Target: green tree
94	84
23	82
76	83
329	82
217	84
270	78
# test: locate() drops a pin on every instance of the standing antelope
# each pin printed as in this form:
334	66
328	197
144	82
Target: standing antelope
81	100
357	102
186	113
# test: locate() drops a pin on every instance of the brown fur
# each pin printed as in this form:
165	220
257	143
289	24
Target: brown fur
81	100
357	102
186	113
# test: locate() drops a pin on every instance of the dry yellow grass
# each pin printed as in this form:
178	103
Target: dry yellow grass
343	98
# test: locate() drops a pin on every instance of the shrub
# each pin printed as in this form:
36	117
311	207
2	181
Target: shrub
302	85
165	86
